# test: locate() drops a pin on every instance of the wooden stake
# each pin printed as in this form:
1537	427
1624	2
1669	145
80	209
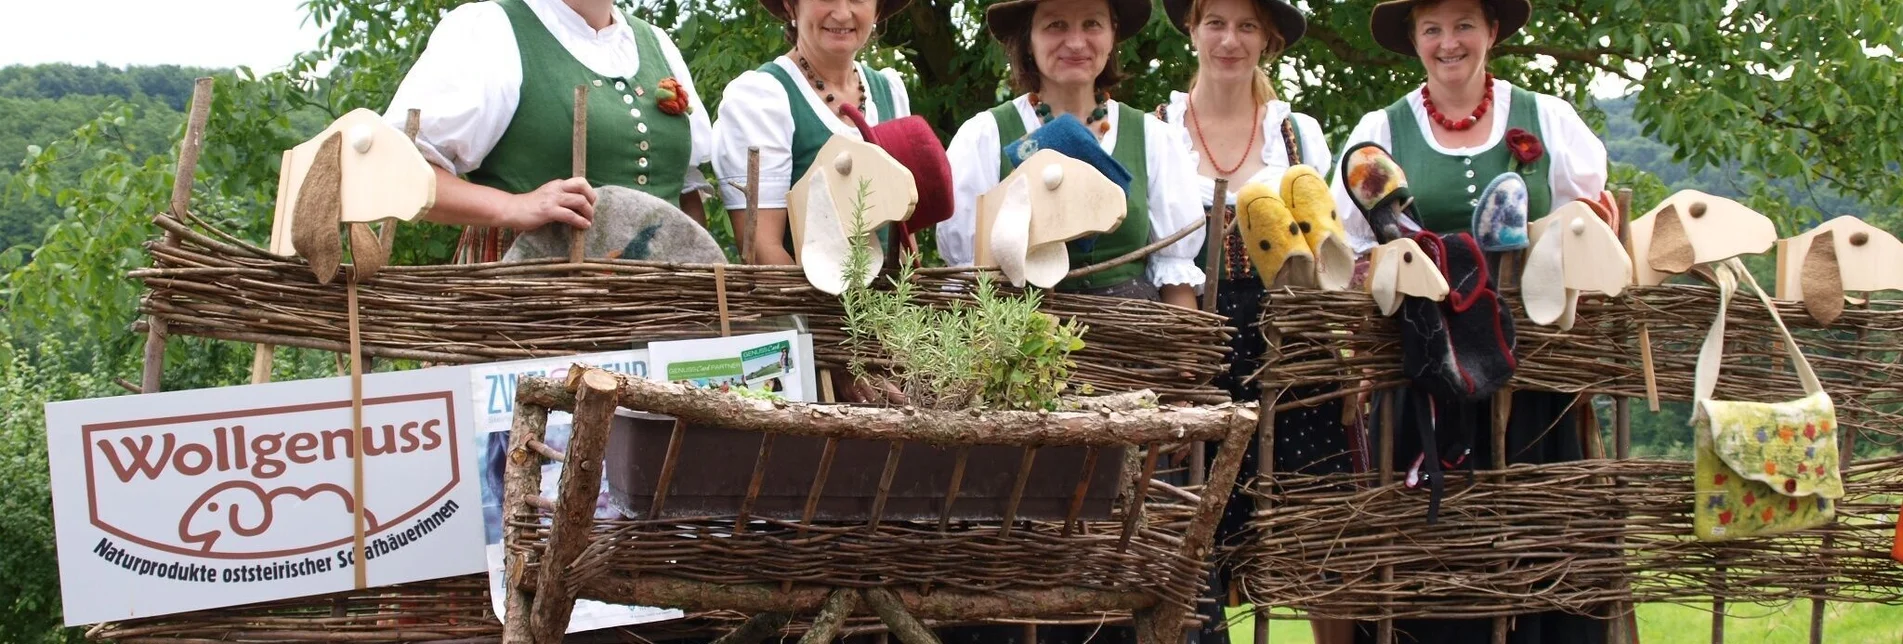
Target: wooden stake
1017	491
521	480
832	614
1390	414
745	232
188	151
360	562
579	165
1213	233
892	611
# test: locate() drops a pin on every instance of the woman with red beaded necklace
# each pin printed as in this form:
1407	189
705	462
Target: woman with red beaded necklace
1452	137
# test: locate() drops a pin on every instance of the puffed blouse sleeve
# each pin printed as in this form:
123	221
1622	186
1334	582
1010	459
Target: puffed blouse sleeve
1579	157
754	113
1373	128
973	154
700	125
465	87
1173	204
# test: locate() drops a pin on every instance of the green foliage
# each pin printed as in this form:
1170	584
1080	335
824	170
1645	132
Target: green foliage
998	352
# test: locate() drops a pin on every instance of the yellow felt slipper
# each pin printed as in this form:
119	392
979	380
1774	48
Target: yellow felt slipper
1271	236
1306	194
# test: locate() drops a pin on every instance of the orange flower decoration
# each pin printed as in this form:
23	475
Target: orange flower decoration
672	100
1768	515
1786	433
1770	467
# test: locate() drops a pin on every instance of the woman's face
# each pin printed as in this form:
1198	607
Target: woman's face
1071	40
834	28
1452	39
1230	38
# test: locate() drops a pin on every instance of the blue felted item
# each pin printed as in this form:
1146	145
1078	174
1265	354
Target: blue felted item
1499	221
1071	138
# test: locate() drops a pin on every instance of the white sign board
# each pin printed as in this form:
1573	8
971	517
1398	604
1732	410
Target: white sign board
188	500
494	388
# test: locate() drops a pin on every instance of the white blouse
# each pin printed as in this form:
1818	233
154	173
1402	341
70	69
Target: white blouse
1578	167
1275	161
468	81
755	111
974	159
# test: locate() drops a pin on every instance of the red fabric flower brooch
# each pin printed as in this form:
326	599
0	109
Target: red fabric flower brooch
1526	148
672	99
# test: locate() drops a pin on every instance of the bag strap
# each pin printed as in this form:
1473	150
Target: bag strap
1291	142
1711	354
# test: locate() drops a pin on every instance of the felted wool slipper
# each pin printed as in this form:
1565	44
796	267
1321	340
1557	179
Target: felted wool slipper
1378	187
1306	194
1270	234
628	224
1499	221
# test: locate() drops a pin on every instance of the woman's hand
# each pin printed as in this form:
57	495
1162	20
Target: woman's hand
568	201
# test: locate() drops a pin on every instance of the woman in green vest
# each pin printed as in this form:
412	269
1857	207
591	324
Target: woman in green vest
495	89
1241	132
1061	54
1452	136
790	107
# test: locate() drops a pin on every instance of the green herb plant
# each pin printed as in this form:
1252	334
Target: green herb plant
997	351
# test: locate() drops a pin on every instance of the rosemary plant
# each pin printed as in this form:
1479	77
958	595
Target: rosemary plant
996	352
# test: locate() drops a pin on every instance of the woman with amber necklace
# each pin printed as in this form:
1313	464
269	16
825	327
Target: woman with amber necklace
1062	55
791	106
1240	131
1451	137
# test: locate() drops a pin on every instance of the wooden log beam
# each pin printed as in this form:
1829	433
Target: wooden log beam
832	615
1102	428
1199	537
892	611
940	604
575	508
522	480
756	628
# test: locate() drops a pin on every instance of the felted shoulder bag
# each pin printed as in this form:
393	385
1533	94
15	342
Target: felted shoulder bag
1760	468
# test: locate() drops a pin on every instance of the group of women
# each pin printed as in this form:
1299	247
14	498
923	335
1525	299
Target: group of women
495	93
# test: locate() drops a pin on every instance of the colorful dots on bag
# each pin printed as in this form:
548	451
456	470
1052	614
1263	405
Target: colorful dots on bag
1724	517
1770	467
1768	515
1750	499
1790	487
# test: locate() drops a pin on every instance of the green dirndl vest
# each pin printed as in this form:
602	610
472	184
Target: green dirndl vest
810	132
1446	188
1128	236
631	142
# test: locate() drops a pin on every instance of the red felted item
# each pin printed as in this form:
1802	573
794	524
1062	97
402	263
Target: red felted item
912	143
1896	545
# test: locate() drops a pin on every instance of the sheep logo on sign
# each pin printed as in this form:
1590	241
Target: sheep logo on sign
273	482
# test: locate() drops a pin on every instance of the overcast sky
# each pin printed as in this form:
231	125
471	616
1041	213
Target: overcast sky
263	34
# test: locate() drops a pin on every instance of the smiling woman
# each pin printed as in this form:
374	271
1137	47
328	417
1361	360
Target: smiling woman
1062	57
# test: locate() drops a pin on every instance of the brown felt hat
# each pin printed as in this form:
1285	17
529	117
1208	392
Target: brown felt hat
1288	19
1005	19
778	8
1389	22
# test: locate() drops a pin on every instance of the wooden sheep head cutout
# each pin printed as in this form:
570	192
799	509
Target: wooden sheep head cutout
1397	269
1050	199
1572	251
1841	255
821	205
1692	228
358	171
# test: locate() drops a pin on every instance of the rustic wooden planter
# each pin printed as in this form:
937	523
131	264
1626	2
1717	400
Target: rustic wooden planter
713	473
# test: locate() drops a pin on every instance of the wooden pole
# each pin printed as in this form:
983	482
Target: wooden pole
182	179
1169	619
1265	468
892	611
579	165
832	615
745	231
575	507
521	480
1213	233
1384	629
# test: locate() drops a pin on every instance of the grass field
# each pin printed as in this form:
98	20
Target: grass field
1675	624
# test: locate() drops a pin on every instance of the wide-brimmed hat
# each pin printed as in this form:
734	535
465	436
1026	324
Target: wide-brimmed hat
1389	22
1004	19
778	8
1288	19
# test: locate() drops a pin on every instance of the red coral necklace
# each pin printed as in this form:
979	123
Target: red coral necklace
1486	102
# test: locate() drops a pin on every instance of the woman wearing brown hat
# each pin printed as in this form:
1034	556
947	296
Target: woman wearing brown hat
790	107
1451	137
1240	131
1062	55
